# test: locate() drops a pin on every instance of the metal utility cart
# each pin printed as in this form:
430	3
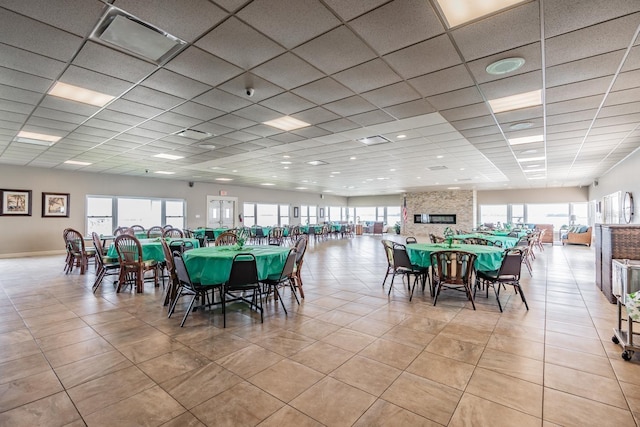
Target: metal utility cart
625	280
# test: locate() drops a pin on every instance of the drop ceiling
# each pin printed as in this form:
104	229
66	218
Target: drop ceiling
350	69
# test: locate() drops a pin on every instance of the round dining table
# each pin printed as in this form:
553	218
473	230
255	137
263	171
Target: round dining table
152	248
488	258
506	241
212	265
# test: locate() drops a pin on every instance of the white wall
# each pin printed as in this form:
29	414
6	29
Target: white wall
534	195
34	234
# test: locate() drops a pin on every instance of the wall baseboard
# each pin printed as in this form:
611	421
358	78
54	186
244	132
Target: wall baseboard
32	254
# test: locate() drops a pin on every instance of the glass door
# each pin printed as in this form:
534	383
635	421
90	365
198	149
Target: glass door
221	212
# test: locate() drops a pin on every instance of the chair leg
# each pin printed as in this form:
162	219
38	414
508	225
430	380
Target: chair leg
277	296
524	300
497	292
174	302
184	319
99	277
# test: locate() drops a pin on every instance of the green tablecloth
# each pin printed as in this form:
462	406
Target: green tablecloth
506	233
212	265
304	229
489	258
151	248
199	232
507	242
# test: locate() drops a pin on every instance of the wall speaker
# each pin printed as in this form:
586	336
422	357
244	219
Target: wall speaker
595	182
190	183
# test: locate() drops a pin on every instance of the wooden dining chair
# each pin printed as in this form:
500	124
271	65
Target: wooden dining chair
173	233
227	238
155	231
79	254
137	228
132	265
301	248
452	270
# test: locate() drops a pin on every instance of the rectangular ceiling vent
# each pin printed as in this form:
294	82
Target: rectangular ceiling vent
128	34
194	134
374	140
436	168
317	162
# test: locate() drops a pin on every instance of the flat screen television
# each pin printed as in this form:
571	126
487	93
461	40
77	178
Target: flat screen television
434	218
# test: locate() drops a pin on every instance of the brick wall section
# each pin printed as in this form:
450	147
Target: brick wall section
462	203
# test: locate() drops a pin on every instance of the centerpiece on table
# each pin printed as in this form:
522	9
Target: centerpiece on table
448	236
240	241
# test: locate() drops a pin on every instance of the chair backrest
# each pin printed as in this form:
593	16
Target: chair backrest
129	249
259	232
289	265
226	239
388	251
97	244
410	240
311	230
120	230
168	256
75	241
137	228
436	239
243	232
400	256
155	231
130	231
454	267
511	264
182	274
244	272
168	226
180	245
173	232
301	248
512	234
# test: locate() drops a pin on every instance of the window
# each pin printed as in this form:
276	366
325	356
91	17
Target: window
335	213
249	214
313	214
284	215
105	213
100	215
394	214
266	215
366	214
492	214
351	217
581	212
174	213
517	214
548	213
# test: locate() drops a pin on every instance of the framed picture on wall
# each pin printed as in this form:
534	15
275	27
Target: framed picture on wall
321	212
15	202
55	205
296	212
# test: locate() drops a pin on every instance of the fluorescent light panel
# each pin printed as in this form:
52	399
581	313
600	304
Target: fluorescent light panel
534	170
164	173
457	12
80	94
515	102
526	139
531	159
224	179
168	156
76	162
287	123
36	138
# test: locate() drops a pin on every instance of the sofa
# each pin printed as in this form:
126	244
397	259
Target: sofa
578	235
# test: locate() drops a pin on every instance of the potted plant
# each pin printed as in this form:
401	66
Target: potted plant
397	227
448	235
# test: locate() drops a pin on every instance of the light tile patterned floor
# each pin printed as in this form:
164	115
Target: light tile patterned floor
348	355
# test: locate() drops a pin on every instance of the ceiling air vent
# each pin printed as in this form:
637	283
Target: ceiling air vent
194	134
374	140
436	168
128	34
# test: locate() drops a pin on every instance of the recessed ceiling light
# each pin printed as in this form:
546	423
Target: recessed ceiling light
453	188
287	123
392	170
335	173
457	12
267	183
529	151
531	159
461	169
224	179
521	126
327	191
76	162
374	140
207	146
164	173
352	158
533	166
128	33
504	66
286	156
285	163
317	163
439	157
515	102
402	136
537	177
526	139
79	94
235	170
331	176
286	167
168	156
534	170
216	168
36	138
301	188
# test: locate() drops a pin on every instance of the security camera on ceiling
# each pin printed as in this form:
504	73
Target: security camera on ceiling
250	91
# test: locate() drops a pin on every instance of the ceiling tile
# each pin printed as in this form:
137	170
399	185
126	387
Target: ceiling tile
584	69
233	122
287	103
508	86
578	90
410	21
514	27
21	60
257	113
202	66
425	57
371	118
323	91
378	75
349	10
152	98
221	100
291	22
350	106
262	88
104	60
562	16
315	115
335	51
456	98
410	109
198	111
442	81
390	95
175	84
22	80
287	71
530	53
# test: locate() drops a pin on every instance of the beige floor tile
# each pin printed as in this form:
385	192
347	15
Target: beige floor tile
348	339
366	374
14	337
28	389
585	345
518	346
152	407
462	351
286	379
94	395
285	343
66	338
510	364
626	371
322	357
577	360
18	350
506	390
370	327
289	416
583	411
409	336
580	383
632	394
476	411
41	331
23	367
52	411
441	369
571	329
390	352
185	420
173	364
242	404
220	346
107	316
144	350
383	413
132	336
337	317
75	352
412	392
249	361
424	324
333	402
50	318
198	385
90	368
471	334
314	328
